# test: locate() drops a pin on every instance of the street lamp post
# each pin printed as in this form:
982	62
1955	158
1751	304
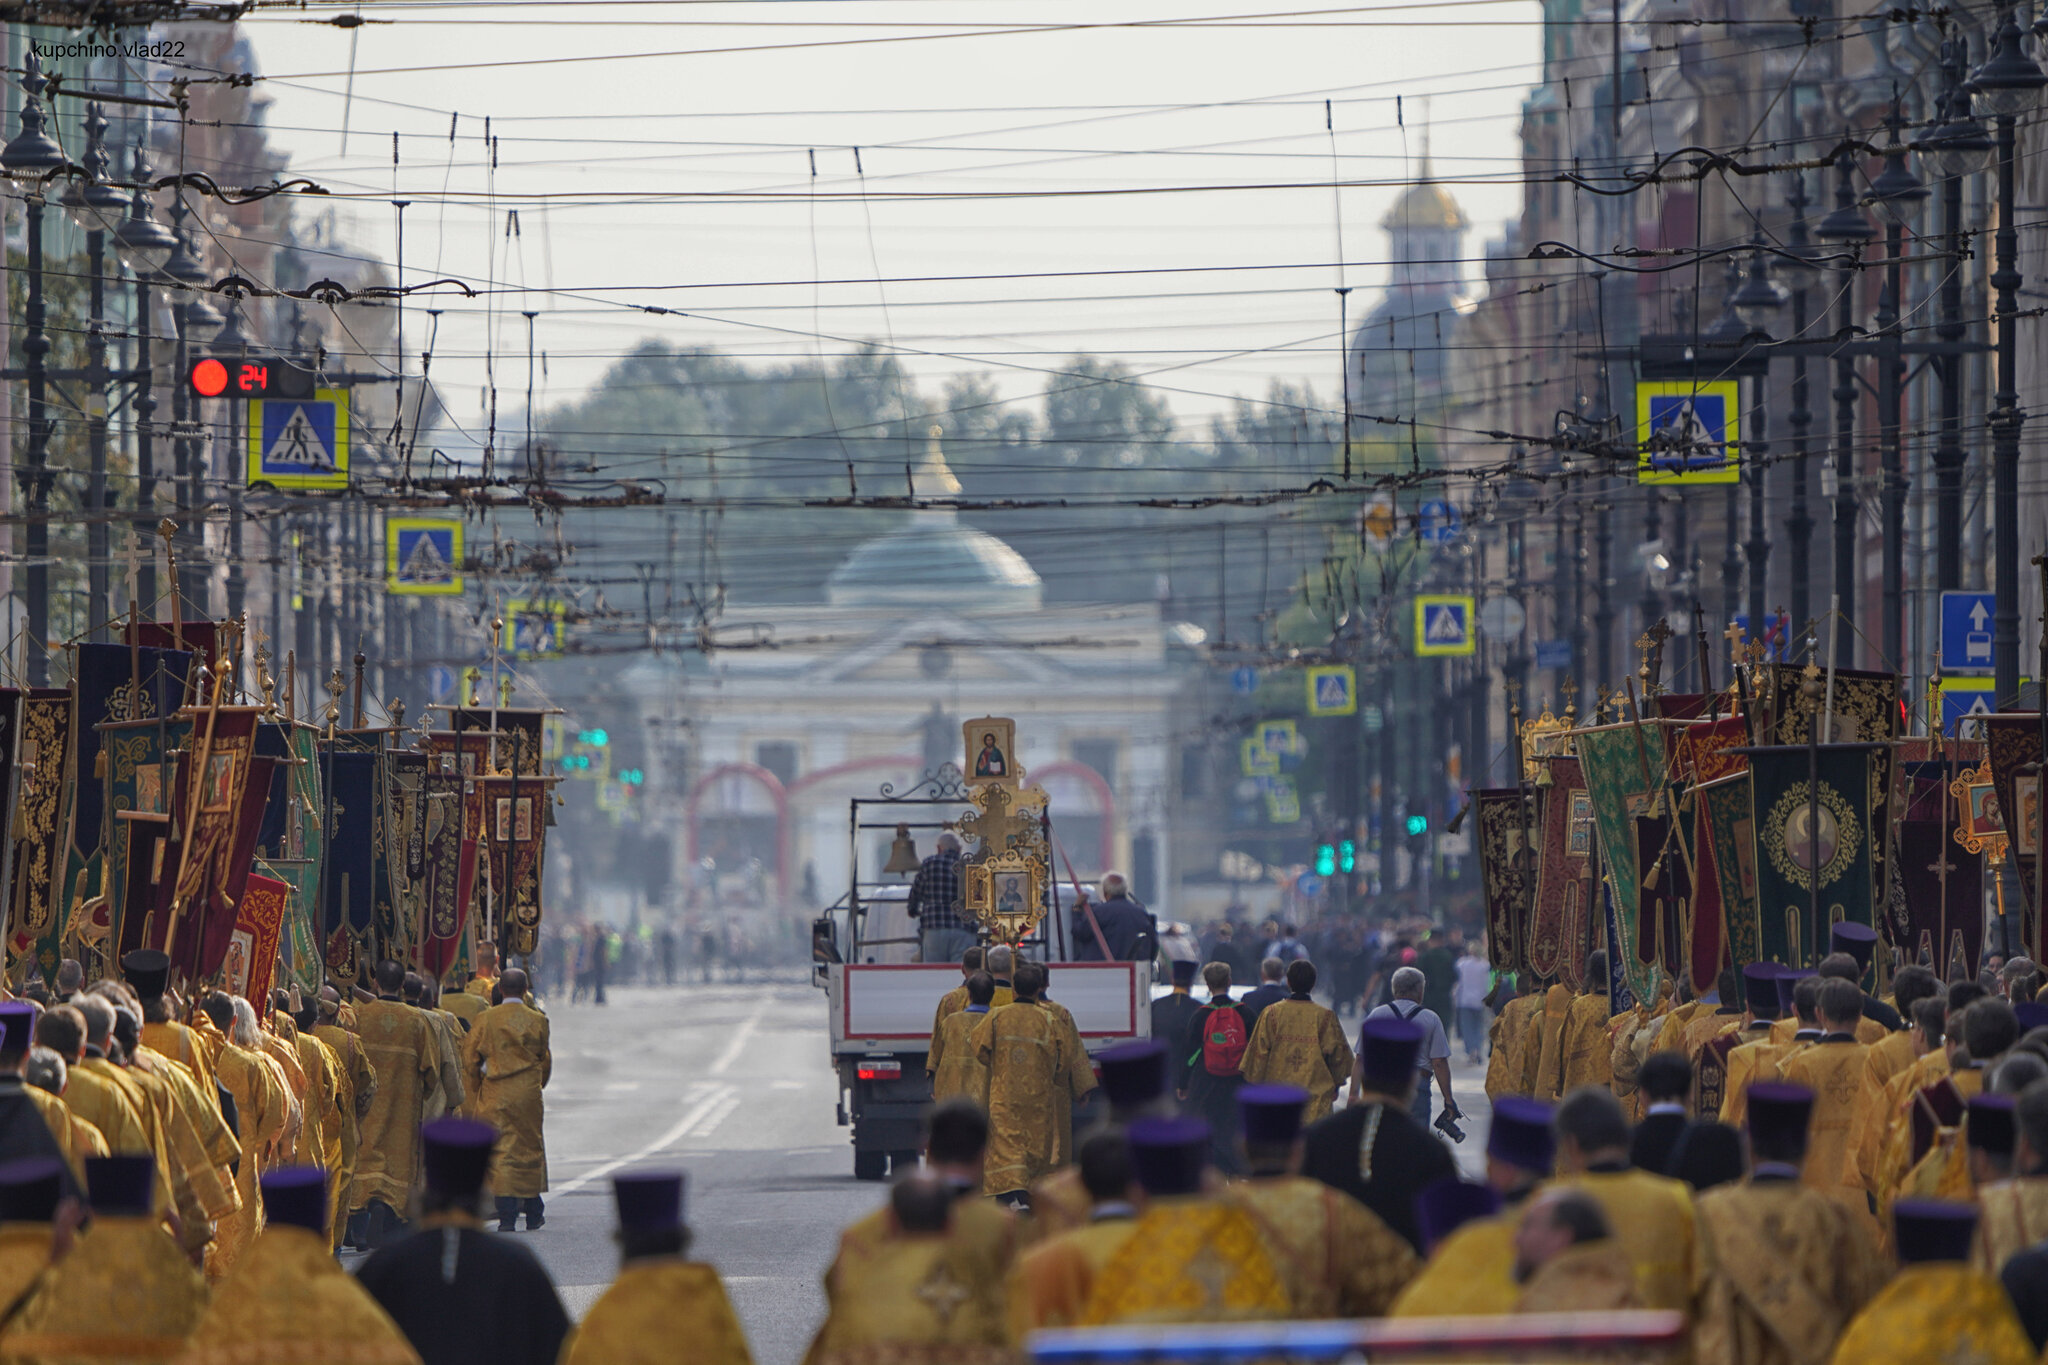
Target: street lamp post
96	206
144	246
1799	523
2009	83
1846	227
1896	192
1756	305
29	160
194	320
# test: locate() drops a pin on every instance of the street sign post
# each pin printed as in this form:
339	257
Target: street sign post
1443	625
1437	522
1244	681
1687	432
1332	690
1966	630
1553	653
1963	699
422	556
299	443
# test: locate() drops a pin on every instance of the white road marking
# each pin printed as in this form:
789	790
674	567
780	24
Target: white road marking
710	1102
785	1085
623	1085
717	1116
739	1040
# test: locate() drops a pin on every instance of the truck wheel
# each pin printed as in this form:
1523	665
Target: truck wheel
903	1162
869	1165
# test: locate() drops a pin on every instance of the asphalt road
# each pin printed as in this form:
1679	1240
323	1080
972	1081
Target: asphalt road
731	1084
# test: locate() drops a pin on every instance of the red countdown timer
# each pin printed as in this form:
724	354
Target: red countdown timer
260	377
209	378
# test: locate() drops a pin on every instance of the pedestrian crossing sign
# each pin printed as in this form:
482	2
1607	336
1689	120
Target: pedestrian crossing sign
1964	700
1688	432
1332	690
534	630
422	556
299	443
1443	625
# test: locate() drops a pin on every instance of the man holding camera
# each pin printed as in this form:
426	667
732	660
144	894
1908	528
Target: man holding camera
1432	1058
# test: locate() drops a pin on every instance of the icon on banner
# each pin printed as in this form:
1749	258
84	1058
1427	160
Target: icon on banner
1443	625
422	556
1332	690
299	442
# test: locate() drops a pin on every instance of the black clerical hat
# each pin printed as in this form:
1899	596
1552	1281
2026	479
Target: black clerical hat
30	1187
17	1026
1519	1134
649	1201
1933	1229
1760	989
2031	1014
1788	982
296	1195
1271	1113
456	1155
1778	1112
1709	1154
1133	1073
1448	1205
1857	940
1386	1054
1184	970
1991	1123
121	1186
148	972
1167	1155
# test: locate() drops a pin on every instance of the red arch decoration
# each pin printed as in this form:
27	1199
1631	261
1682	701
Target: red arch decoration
771	784
1105	800
854	765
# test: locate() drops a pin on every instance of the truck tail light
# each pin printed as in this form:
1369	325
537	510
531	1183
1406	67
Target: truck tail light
875	1070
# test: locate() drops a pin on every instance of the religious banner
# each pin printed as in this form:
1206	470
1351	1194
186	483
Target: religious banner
289	845
1507	863
508	738
1830	838
1728	838
1865	709
513	811
2013	742
1621	997
447	872
135	787
1561	922
1703	753
43	753
251	960
400	865
1665	889
201	638
1944	899
348	879
1624	768
207	801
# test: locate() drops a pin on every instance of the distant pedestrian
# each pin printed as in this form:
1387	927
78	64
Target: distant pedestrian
665	950
934	902
1212	1053
1432	1058
1468	997
1129	931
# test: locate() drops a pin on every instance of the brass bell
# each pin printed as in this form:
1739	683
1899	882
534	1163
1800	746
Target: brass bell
903	852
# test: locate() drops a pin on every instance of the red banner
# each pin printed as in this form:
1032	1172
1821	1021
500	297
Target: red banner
251	959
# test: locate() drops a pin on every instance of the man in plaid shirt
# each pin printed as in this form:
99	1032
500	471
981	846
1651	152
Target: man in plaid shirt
943	935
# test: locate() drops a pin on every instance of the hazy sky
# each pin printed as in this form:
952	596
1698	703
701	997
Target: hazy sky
682	179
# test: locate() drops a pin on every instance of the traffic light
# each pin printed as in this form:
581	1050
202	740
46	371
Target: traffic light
254	377
1418	824
1347	856
1326	860
596	739
632	777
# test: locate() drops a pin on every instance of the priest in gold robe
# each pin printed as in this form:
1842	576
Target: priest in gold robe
955	1000
508	1063
125	1258
31	1188
1300	1043
1051	1283
407	1057
288	1300
1754	1057
1651	1215
1134	1082
1936	1307
661	1298
1031	1059
148	973
1471	1267
1833	1070
1781	1268
1508	1061
1585	1053
2013	1213
1338	1257
910	1287
356	1093
260	1105
1567	1258
950	1060
1546	1056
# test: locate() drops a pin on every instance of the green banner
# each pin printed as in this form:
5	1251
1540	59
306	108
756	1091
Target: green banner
1624	770
1846	853
1731	842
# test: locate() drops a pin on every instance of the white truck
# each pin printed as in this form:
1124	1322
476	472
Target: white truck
880	1002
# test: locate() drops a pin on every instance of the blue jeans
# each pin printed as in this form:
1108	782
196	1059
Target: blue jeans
1472	1030
945	945
1420	1108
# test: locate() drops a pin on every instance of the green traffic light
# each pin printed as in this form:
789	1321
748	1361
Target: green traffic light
1418	824
1347	856
1326	860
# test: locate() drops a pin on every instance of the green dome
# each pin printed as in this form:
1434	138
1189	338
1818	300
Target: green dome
935	559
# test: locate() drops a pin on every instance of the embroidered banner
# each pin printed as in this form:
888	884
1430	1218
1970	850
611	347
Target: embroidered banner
347	895
1944	898
1560	931
44	754
1729	838
513	814
209	795
449	872
1840	853
1507	863
2014	743
401	872
136	783
290	845
251	959
1866	707
1624	768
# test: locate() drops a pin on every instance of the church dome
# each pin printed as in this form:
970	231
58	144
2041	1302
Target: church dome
1425	206
932	558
